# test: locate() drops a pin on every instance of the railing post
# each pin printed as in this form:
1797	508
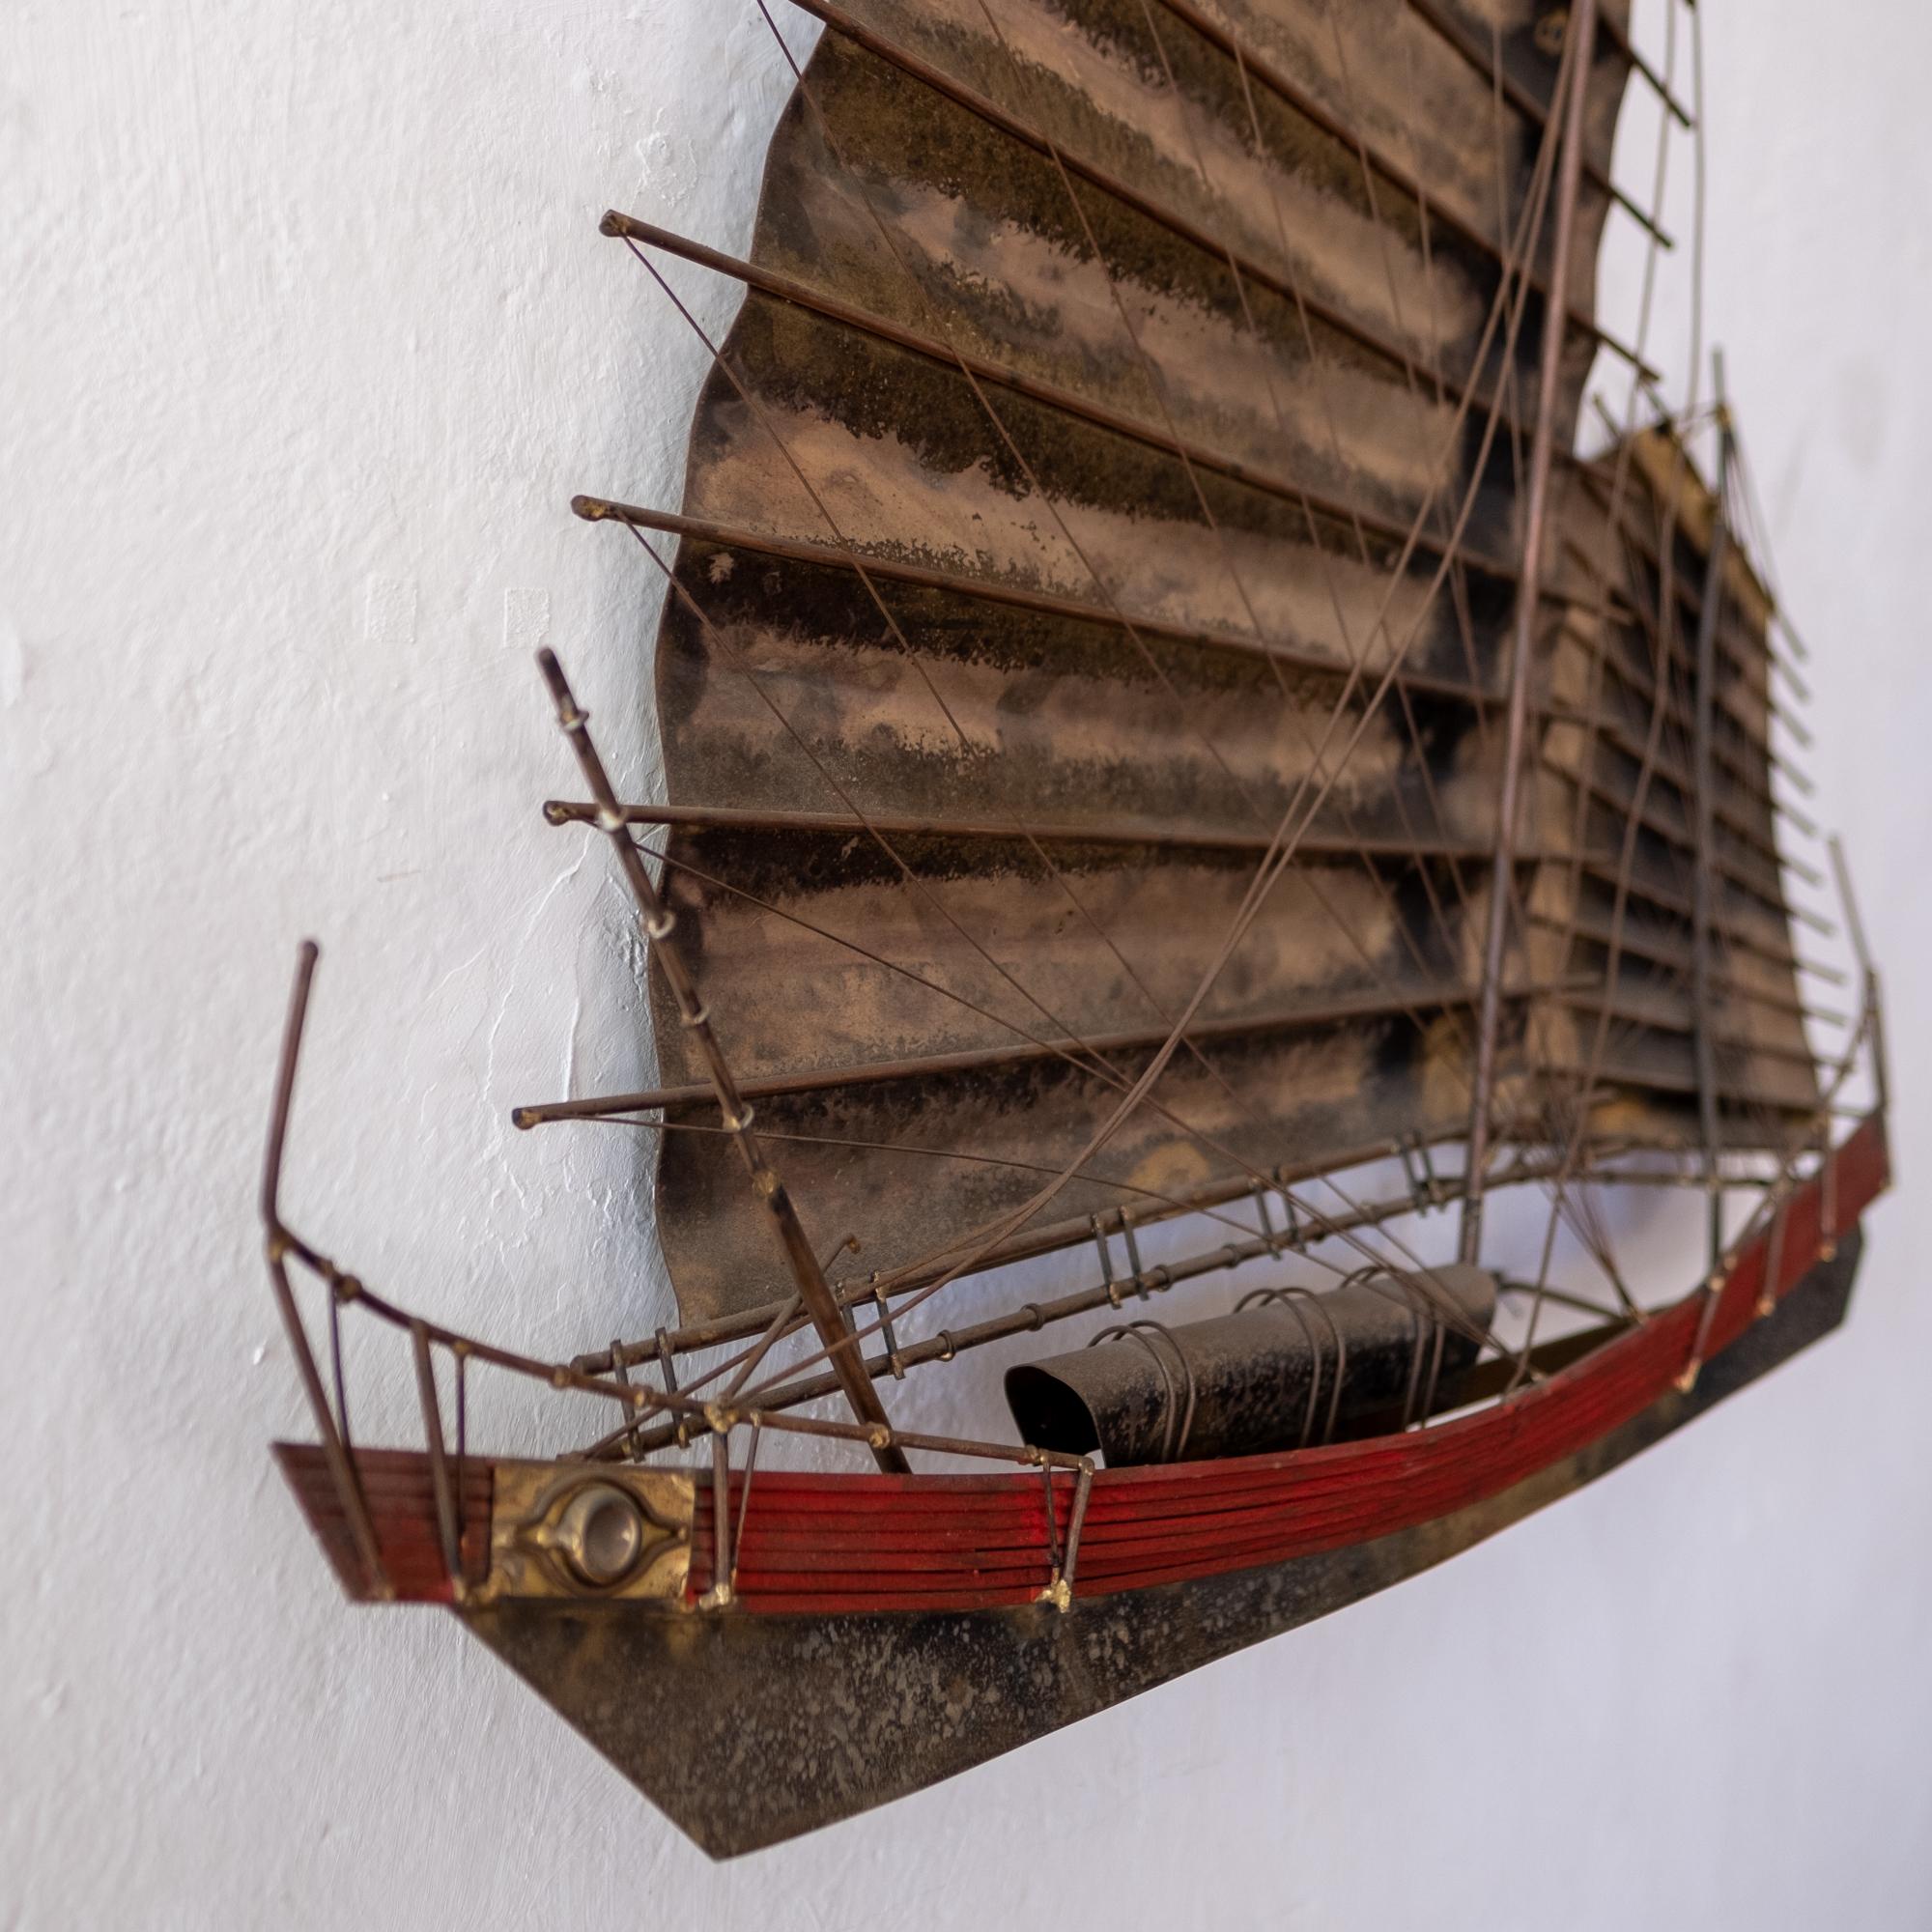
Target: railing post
439	1462
349	1491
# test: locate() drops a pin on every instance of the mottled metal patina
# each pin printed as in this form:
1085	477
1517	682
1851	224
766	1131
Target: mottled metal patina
1284	1370
1069	470
748	1730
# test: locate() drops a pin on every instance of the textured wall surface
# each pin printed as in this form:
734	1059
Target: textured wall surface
305	338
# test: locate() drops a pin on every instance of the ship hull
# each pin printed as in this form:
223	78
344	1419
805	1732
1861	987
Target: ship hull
747	1730
883	1632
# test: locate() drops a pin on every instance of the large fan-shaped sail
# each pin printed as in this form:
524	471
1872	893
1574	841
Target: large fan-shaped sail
1121	388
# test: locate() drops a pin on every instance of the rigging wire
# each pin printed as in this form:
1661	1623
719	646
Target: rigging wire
1287	835
743	391
1432	499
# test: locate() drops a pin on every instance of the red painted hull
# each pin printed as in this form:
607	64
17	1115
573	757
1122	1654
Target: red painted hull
830	1545
888	1543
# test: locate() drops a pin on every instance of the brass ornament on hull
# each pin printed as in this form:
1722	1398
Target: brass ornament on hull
575	1530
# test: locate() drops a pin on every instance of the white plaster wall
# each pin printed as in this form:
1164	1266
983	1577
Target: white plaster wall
305	338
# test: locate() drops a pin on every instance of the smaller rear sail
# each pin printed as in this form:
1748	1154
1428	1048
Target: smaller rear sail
1615	925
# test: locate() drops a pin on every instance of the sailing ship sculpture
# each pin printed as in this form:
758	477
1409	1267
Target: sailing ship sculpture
1161	732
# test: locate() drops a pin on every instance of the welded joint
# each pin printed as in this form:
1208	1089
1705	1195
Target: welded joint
1059	1591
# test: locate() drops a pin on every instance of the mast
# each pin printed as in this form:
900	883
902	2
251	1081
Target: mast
1555	322
814	1293
1702	919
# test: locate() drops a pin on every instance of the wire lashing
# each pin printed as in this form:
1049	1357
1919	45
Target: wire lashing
1291	1298
1143	1332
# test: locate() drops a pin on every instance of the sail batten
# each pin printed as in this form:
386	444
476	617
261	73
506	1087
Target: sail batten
1748	848
1384	506
1405	1002
1669	946
1673	1009
827	552
1739	777
1070	832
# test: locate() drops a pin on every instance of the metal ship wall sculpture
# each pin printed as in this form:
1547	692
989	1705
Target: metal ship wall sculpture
1162	733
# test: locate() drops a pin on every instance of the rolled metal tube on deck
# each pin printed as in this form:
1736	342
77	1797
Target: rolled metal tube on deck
1286	1369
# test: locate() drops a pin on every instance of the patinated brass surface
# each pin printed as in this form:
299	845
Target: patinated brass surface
554	1528
1055	483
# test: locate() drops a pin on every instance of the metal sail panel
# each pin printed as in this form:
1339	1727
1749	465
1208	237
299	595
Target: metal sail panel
954	711
1638	526
1091	436
986	249
1417	84
1041	504
1232	1106
942	1020
1320	143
